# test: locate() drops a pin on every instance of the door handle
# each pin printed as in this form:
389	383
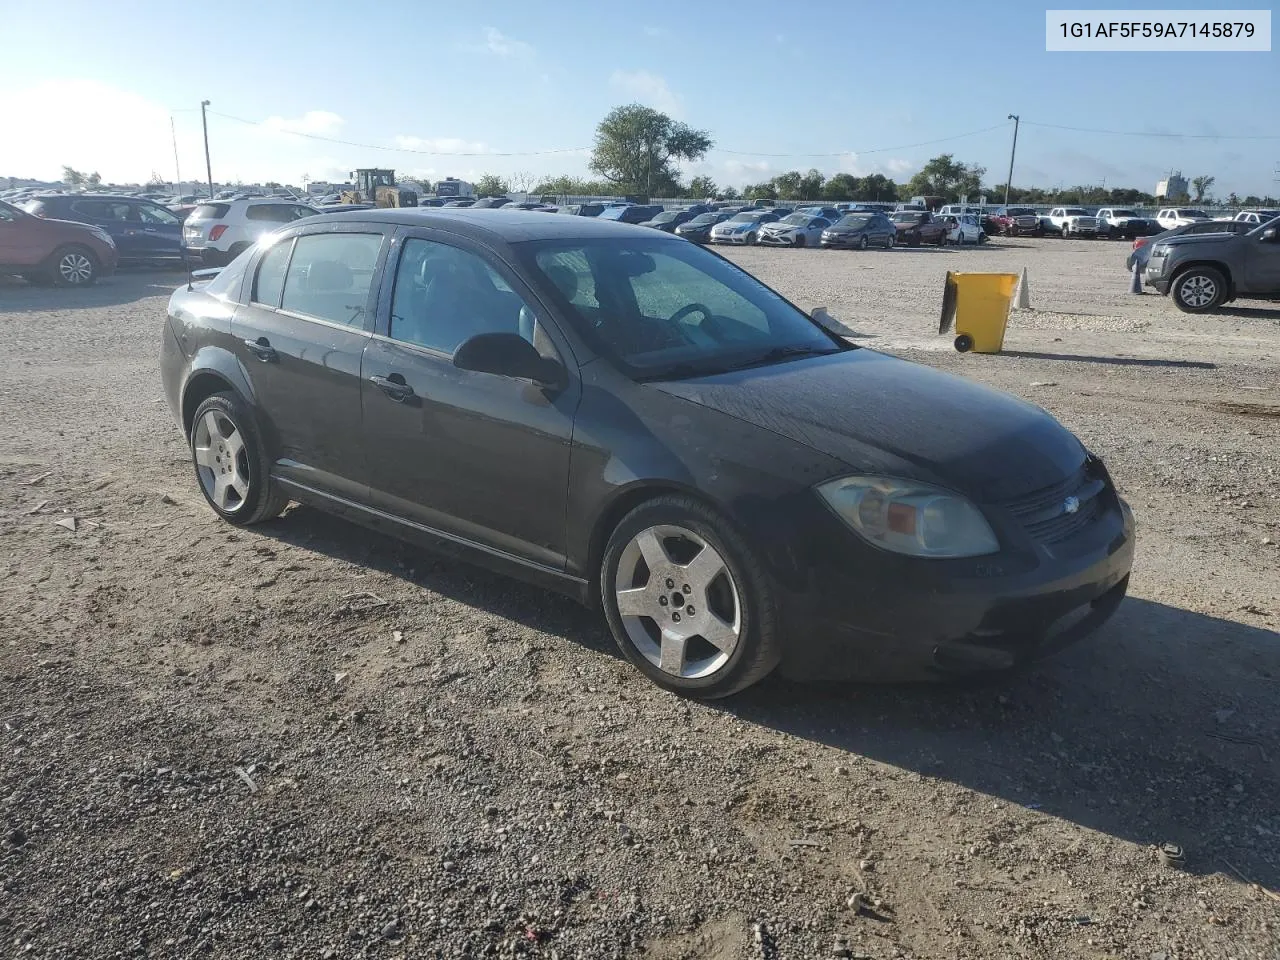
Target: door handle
393	386
262	349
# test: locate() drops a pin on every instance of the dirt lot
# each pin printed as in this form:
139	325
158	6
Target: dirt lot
308	741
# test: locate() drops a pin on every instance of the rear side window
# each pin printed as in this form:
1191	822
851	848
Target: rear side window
269	283
274	212
330	276
210	211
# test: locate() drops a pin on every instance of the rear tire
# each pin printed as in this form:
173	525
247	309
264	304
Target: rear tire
891	241
737	600
1198	290
799	241
73	266
862	242
230	463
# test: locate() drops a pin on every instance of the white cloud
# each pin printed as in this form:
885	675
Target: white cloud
648	88
449	145
319	122
500	45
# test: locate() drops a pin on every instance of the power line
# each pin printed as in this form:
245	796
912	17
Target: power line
845	153
1146	133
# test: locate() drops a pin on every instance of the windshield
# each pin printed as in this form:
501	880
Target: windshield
665	217
1076	212
798	218
1123	213
706	218
854	223
747	217
667	310
907	217
1199	214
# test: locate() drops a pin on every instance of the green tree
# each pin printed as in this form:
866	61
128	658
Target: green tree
72	177
702	187
1201	185
811	185
944	176
491	185
730	193
841	186
786	186
637	147
761	191
94	179
876	186
1232	199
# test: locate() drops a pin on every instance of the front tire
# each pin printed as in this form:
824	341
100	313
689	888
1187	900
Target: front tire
230	464
751	239
687	599
1199	289
799	241
862	242
890	241
73	266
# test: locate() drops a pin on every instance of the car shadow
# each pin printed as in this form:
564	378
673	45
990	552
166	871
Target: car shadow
311	529
1163	727
1251	313
1113	361
126	285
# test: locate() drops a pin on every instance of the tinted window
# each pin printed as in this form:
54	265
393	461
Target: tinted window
210	211
269	283
107	210
669	309
273	212
330	276
150	214
445	295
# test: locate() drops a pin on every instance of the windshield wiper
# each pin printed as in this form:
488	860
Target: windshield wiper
779	353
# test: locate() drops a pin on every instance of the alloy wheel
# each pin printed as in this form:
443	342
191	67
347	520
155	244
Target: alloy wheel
221	461
678	601
1197	291
75	268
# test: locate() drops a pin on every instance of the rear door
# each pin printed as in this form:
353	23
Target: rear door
300	340
161	231
480	457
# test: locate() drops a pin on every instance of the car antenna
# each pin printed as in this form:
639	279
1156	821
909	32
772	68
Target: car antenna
187	261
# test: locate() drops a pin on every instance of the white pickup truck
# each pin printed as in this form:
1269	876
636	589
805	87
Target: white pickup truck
1117	222
1071	222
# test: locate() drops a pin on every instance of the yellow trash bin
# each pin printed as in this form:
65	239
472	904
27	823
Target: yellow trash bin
978	303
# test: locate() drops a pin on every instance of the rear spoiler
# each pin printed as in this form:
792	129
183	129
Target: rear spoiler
205	273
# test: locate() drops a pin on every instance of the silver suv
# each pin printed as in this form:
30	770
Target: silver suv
1204	271
219	231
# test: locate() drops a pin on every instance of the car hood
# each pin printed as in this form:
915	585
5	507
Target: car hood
882	415
777	226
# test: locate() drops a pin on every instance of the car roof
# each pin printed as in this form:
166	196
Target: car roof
511	226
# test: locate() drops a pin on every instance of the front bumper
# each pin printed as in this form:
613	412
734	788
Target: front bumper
738	238
842	242
774	240
899	619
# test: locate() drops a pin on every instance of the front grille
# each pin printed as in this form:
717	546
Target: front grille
1044	515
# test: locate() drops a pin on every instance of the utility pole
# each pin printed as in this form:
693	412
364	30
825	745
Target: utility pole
208	167
1012	152
177	170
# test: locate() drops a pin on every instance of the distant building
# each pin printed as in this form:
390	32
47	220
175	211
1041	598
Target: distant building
1173	189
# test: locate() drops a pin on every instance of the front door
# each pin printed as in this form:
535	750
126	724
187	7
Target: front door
300	340
478	456
1262	264
161	232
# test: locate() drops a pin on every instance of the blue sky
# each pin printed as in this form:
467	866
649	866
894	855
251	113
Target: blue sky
464	83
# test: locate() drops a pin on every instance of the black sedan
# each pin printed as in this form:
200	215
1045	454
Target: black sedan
632	420
668	220
861	230
699	228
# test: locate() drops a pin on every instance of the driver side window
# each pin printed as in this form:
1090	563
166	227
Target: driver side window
673	285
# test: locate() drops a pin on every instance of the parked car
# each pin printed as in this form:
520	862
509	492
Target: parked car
1071	222
668	220
583	209
490	203
1171	217
219	232
798	229
1118	222
918	226
1141	250
53	251
743	227
861	230
461	202
788	499
1205	270
630	212
699	228
829	213
1256	216
964	228
142	230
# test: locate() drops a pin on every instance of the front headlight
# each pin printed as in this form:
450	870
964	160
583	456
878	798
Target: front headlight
909	517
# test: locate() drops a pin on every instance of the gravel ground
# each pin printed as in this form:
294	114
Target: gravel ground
308	741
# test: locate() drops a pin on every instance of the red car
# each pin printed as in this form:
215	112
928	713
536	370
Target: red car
919	226
53	251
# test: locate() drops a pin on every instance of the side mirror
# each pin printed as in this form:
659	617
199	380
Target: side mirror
507	355
1269	234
